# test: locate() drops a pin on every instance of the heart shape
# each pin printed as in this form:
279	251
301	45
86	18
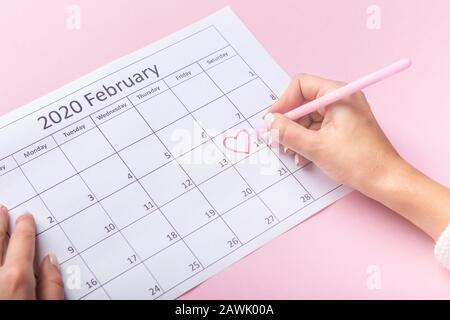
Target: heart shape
239	143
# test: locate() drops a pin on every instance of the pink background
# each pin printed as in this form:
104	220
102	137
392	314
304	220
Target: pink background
328	255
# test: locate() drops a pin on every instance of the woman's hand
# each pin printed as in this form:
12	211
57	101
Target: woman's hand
344	139
17	276
346	142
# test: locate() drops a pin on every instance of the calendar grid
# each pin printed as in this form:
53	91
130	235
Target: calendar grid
159	208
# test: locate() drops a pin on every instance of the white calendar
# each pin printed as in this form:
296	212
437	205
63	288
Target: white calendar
144	178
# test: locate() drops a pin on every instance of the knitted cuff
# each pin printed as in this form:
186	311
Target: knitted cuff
442	248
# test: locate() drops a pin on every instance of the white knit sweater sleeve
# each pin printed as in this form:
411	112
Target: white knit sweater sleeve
442	248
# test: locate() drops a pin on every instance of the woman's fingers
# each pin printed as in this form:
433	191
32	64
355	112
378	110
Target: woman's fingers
50	285
22	242
290	134
303	88
3	231
20	256
300	160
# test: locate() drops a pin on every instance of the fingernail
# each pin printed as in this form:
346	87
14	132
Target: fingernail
269	140
22	216
268	119
3	210
297	159
53	260
285	149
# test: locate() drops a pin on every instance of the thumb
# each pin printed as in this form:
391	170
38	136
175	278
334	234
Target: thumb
291	134
50	285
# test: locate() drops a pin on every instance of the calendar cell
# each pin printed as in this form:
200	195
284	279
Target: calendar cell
107	177
170	271
287	159
151	110
237	190
250	219
150	234
68	197
231	74
189	95
257	119
109	258
96	224
313	179
145	156
128	205
218	116
87	149
252	98
78	279
238	142
204	162
189	212
167	183
54	241
286	197
182	136
15	188
42	217
212	242
42	176
125	129
261	169
136	284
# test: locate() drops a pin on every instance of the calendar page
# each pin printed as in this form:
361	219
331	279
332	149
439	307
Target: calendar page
145	178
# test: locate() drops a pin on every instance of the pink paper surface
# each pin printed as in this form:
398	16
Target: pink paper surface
329	255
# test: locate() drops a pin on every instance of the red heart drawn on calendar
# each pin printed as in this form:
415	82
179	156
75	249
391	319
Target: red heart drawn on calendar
239	142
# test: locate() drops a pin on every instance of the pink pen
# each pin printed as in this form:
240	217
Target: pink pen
344	91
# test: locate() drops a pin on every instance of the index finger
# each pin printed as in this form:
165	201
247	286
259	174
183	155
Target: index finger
21	246
303	88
